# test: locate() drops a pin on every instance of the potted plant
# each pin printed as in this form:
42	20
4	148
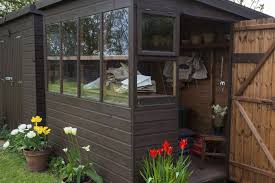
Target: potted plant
161	167
33	142
76	170
219	113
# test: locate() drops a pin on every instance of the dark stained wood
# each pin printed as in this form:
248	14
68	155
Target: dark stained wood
247	57
256	70
28	28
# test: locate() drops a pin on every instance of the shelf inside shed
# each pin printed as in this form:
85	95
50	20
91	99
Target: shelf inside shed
205	46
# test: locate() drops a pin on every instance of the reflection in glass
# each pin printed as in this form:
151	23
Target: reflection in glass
116	71
69	39
90	35
157	32
54	76
90	64
53	40
70	78
116	32
90	79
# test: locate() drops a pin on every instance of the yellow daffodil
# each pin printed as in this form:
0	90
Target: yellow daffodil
42	130
36	119
39	129
46	130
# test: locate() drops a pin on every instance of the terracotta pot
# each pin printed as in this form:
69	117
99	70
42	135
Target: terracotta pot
37	160
86	181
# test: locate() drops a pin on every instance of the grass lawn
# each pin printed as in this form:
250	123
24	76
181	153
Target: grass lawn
12	170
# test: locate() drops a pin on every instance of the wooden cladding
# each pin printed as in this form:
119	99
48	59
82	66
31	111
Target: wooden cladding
255	27
247	57
252	133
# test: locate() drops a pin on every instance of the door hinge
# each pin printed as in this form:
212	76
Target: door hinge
273	103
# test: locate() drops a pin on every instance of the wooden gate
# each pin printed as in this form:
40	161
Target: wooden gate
11	79
252	138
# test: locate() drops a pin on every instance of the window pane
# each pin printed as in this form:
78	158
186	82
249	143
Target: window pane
157	32
155	78
54	76
90	35
70	78
90	79
90	60
53	40
116	71
69	39
116	32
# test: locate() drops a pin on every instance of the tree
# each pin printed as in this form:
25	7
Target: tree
7	6
254	4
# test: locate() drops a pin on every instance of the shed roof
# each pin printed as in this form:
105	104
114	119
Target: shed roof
224	5
30	9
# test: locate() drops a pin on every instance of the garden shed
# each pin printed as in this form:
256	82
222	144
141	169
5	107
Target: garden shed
21	66
120	70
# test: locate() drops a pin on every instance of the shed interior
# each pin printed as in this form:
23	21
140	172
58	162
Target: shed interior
195	80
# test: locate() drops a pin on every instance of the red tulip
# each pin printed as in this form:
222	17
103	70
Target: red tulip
160	151
165	146
170	151
153	153
183	144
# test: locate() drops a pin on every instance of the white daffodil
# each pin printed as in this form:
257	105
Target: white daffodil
14	132
6	145
86	148
31	134
68	130
73	131
65	150
29	126
22	127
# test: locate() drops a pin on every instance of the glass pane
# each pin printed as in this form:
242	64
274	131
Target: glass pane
69	33
90	35
157	33
116	71
116	32
54	76
90	79
70	78
53	40
155	78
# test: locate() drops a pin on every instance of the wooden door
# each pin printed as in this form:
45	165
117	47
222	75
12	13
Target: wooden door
252	137
2	52
11	79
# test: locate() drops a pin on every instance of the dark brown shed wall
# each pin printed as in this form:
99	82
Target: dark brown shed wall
28	27
153	125
107	128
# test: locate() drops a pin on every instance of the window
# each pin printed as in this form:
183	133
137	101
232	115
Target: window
156	78
100	58
90	57
69	57
158	33
53	50
116	71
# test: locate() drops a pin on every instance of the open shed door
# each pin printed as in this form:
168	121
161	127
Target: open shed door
252	138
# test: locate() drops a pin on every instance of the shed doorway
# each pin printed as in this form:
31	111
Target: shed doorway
11	79
204	82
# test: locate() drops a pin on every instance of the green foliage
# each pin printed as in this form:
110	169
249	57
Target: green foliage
76	169
7	6
4	132
163	169
56	165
